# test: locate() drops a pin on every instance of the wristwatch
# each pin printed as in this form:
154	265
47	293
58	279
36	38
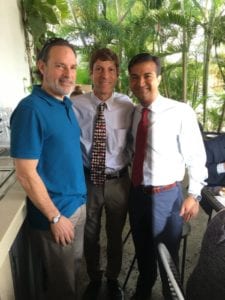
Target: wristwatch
56	219
198	198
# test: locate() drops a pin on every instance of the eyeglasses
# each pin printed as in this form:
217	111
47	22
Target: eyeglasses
54	40
49	44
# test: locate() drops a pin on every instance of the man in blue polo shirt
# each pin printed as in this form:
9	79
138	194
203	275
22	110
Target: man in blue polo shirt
45	144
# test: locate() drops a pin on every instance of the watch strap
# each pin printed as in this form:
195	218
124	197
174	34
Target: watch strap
197	198
56	219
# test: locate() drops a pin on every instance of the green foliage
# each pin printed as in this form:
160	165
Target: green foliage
39	16
83	76
164	28
212	114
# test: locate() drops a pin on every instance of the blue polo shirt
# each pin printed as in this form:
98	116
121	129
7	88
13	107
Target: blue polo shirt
46	129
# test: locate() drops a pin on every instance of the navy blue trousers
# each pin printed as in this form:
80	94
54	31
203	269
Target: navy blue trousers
153	219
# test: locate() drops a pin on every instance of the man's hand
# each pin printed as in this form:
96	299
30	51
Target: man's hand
189	208
63	231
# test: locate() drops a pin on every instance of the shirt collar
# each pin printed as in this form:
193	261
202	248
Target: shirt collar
110	102
50	99
155	106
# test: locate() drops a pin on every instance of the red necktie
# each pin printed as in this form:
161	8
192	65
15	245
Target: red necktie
140	148
99	148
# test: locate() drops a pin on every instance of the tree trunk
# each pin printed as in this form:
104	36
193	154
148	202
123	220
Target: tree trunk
208	46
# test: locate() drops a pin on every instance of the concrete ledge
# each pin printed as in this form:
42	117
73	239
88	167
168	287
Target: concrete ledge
12	215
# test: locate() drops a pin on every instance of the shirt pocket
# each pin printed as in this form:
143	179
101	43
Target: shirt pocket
117	139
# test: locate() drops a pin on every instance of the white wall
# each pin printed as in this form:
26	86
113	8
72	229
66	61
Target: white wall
14	72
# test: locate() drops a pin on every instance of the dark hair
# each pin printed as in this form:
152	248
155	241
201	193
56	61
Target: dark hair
77	91
104	54
44	52
144	57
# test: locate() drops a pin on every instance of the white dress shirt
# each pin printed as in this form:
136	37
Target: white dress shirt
118	116
174	143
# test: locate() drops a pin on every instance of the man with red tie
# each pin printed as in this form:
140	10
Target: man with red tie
166	140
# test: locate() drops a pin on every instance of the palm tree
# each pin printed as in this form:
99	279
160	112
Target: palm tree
161	27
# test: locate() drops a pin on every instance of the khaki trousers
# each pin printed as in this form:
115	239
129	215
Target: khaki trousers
113	197
59	265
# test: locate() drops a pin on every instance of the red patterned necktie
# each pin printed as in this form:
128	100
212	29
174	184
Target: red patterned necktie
99	148
140	148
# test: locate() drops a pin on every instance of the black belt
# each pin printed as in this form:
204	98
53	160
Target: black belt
114	175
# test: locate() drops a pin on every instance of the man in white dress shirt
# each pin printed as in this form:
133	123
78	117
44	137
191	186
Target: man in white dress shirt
112	195
156	206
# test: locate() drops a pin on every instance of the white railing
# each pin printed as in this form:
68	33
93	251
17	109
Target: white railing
12	216
5	113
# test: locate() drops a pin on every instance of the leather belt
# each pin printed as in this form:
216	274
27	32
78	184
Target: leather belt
113	175
157	189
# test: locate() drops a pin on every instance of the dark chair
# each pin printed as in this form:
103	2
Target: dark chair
174	280
209	202
186	231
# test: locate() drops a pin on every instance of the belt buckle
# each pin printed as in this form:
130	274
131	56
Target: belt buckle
113	175
117	174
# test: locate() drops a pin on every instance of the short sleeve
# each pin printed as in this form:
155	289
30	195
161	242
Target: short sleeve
26	133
